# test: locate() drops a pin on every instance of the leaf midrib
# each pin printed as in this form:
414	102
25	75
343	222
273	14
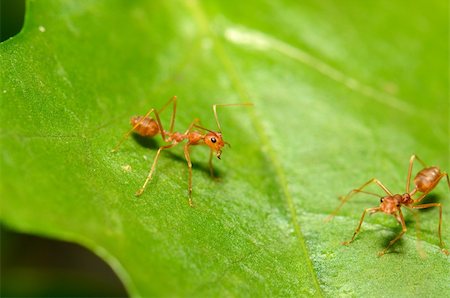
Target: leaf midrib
203	23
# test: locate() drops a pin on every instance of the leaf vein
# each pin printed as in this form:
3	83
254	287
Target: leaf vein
263	42
203	23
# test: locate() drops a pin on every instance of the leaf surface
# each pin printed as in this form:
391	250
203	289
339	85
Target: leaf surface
341	93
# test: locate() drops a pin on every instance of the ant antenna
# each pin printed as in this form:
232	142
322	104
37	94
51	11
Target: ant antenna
227	105
201	127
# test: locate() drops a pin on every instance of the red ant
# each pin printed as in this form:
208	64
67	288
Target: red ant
149	127
425	181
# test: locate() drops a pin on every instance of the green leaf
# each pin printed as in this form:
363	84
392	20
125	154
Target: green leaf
342	92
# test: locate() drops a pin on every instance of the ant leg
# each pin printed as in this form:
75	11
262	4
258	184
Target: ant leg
432	187
172	118
411	161
448	180
344	199
211	169
174	111
417	227
188	159
161	128
401	220
362	191
424	206
192	125
371	210
152	170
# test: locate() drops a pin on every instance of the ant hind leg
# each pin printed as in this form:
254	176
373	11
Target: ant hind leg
424	206
174	111
411	162
189	163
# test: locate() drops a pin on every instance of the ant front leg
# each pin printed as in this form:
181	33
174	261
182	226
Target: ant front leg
371	210
152	170
189	163
401	220
211	169
424	206
358	190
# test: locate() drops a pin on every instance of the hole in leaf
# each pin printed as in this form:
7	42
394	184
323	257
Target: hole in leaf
12	15
33	266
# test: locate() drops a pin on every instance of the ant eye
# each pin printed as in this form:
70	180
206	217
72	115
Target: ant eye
381	200
213	140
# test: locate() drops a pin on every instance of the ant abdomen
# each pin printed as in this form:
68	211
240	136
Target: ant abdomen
146	127
427	178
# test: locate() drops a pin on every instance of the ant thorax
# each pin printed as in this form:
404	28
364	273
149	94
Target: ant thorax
195	137
406	199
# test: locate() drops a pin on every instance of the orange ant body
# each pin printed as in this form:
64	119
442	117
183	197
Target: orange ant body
149	127
424	182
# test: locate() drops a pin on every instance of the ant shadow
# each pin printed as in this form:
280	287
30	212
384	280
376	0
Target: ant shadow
152	144
431	198
146	142
397	248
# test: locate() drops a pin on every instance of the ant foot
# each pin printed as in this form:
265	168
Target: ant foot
191	203
328	218
381	253
445	251
346	243
139	192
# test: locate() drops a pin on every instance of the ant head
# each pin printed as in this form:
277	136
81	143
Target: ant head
390	204
215	141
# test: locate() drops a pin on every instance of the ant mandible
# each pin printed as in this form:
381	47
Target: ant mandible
149	127
424	182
